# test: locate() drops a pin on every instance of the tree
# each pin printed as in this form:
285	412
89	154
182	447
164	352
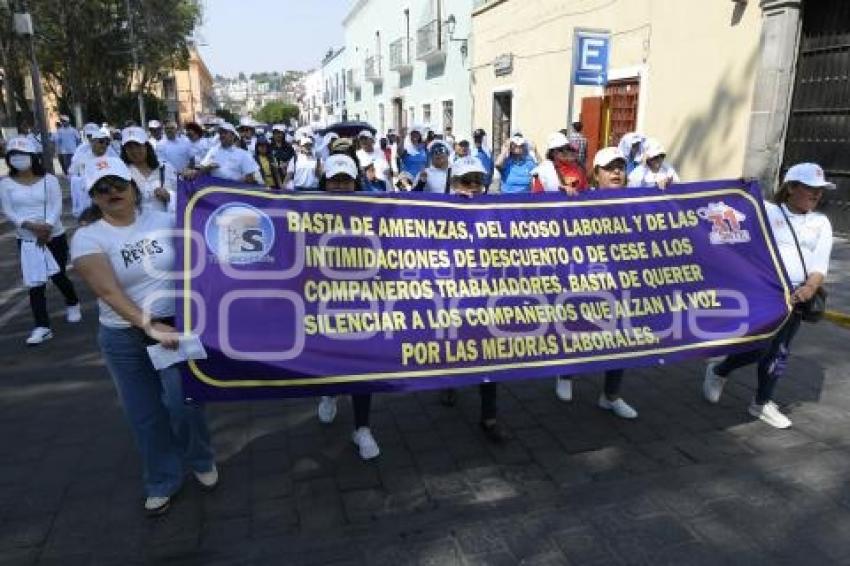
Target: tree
227	115
277	112
85	54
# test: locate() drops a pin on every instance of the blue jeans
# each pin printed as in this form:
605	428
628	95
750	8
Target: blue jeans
167	430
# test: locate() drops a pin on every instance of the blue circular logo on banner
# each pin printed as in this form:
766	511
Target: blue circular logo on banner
239	233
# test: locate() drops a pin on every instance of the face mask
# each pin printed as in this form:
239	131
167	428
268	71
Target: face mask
21	162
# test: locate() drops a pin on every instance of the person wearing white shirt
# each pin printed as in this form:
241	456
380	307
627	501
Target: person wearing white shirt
366	142
126	255
436	177
199	145
654	172
154	132
66	139
157	180
804	239
174	149
32	200
303	170
228	161
99	145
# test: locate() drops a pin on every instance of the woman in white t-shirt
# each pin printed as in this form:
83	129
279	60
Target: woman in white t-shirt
793	221
303	171
157	180
127	258
654	172
32	200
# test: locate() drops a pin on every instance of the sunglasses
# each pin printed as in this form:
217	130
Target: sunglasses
104	187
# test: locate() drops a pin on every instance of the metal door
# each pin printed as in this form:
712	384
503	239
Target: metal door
819	122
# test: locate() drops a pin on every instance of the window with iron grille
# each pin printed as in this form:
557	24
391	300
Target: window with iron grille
426	113
448	114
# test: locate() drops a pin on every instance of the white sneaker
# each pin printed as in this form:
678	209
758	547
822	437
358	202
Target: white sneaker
208	480
564	388
712	385
365	442
618	407
73	314
327	410
39	335
155	506
770	414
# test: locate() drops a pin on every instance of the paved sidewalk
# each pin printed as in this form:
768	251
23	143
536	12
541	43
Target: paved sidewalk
687	483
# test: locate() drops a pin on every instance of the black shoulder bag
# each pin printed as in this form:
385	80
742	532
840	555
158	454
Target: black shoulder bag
813	309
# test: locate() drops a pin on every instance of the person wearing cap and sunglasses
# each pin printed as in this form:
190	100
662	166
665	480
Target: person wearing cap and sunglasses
154	132
804	239
655	172
516	165
609	173
467	180
304	169
155	178
100	144
341	176
366	143
126	256
437	177
32	200
560	171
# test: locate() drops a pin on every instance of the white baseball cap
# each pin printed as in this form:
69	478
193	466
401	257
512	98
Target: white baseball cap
466	165
338	165
101	134
557	140
154	125
607	155
133	134
228	127
366	134
809	174
279	128
22	144
366	161
64	118
90	128
654	149
517	140
102	167
247	122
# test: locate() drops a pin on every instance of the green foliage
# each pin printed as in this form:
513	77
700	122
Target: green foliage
277	112
227	115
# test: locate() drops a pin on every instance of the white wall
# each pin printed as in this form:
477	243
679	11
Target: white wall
424	86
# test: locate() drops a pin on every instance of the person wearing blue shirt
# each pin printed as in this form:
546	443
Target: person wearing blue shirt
414	155
632	145
66	140
515	165
369	176
484	155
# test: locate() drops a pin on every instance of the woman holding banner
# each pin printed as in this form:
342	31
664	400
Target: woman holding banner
804	239
609	173
126	255
342	176
468	176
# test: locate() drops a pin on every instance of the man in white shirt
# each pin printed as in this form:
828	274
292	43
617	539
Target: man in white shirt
366	141
174	149
154	132
228	161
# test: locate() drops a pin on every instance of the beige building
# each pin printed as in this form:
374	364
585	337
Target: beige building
713	80
190	93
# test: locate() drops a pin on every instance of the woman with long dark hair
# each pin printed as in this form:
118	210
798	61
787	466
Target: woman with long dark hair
32	200
126	256
157	180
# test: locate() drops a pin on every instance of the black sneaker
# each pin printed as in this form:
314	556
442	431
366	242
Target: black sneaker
495	433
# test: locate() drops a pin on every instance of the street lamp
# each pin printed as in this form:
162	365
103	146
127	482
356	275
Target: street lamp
451	25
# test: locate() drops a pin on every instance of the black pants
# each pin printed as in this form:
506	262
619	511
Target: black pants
489	396
613	381
65	161
362	405
58	246
772	360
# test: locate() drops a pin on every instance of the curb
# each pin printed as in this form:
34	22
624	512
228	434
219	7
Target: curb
839	318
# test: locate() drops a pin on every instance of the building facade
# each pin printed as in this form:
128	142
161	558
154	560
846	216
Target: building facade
409	63
334	88
311	98
731	88
190	93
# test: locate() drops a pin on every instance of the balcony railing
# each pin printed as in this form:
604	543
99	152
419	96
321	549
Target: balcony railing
431	42
374	73
400	55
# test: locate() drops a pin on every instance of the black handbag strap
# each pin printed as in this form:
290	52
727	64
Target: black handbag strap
796	241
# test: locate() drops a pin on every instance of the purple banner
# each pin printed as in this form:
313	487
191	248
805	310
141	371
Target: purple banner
304	293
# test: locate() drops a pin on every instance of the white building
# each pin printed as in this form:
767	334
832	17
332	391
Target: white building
408	63
312	98
334	88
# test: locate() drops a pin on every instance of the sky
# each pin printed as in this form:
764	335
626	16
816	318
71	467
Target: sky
269	35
